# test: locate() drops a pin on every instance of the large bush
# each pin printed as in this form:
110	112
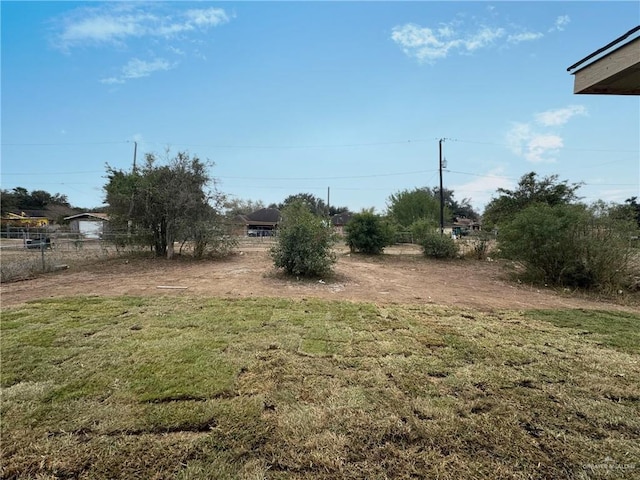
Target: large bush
421	229
304	243
568	245
435	245
160	205
369	233
531	190
407	206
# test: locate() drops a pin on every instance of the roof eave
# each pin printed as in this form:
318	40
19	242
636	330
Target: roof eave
616	73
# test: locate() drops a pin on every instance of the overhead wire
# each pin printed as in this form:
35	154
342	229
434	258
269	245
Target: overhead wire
337	145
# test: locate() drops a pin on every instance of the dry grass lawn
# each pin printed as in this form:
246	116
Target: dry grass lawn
191	388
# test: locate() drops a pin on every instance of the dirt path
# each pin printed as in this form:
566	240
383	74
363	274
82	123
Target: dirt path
402	276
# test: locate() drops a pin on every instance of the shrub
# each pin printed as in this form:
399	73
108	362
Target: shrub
210	240
481	244
304	242
435	245
369	233
421	229
568	245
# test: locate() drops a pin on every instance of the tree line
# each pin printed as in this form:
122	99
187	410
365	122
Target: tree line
19	198
541	224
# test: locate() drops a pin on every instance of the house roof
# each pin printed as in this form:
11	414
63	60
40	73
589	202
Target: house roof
27	214
340	219
89	215
264	215
611	70
463	221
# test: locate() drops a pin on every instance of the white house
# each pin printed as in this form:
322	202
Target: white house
91	225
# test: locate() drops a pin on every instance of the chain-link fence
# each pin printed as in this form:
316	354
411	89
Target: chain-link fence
28	251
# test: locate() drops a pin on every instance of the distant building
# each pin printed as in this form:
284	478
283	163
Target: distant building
464	226
261	223
25	219
340	220
90	225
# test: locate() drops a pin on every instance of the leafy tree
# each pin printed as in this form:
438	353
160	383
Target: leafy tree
304	242
634	208
407	206
455	208
20	199
530	190
630	210
369	233
316	205
569	245
239	206
8	201
336	210
161	204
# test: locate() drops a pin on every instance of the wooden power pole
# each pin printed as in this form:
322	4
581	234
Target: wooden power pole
441	191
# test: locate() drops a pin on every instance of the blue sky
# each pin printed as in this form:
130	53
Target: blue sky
300	97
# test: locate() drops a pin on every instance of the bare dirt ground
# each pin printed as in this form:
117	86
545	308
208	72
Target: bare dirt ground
402	275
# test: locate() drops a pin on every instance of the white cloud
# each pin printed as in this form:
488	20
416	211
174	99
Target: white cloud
542	148
481	189
483	38
115	23
96	30
534	146
428	45
136	68
209	17
559	116
561	22
111	80
524	37
539	141
137	28
175	50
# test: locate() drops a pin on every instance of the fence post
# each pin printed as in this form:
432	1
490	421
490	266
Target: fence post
44	265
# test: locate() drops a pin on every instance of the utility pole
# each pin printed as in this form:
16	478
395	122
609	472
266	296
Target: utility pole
441	191
328	204
130	221
135	152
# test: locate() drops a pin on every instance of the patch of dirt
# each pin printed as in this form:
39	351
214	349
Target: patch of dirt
402	275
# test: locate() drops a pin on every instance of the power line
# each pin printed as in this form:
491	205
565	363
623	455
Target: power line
286	147
327	178
50	173
52	144
502	177
457	140
311	146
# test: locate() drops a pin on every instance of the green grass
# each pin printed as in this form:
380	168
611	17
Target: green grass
611	329
191	388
